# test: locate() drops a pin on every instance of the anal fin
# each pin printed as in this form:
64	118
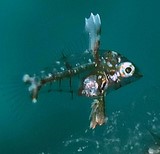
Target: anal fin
97	115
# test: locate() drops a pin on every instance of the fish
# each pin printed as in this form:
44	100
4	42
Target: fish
102	72
154	149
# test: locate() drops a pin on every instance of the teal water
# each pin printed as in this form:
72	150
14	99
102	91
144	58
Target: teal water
31	34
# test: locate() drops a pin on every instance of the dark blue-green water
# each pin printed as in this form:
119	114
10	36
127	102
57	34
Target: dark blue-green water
31	34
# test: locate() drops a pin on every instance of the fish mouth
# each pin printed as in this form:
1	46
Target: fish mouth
138	75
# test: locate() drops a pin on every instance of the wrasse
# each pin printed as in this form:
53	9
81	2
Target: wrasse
104	71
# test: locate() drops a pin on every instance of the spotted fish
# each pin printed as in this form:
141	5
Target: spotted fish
104	71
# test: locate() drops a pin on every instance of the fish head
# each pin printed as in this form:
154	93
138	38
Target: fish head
120	70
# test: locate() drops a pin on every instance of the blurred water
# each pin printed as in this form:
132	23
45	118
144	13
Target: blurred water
31	34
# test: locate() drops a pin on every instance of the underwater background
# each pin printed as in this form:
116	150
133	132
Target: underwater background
32	34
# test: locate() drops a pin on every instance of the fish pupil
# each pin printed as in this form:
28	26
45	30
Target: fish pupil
128	70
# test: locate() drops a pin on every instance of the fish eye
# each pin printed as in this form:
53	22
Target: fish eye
126	69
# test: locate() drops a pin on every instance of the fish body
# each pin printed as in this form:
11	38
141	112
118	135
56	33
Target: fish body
103	71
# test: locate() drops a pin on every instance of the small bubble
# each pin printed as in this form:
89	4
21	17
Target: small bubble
62	68
58	62
79	149
149	113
